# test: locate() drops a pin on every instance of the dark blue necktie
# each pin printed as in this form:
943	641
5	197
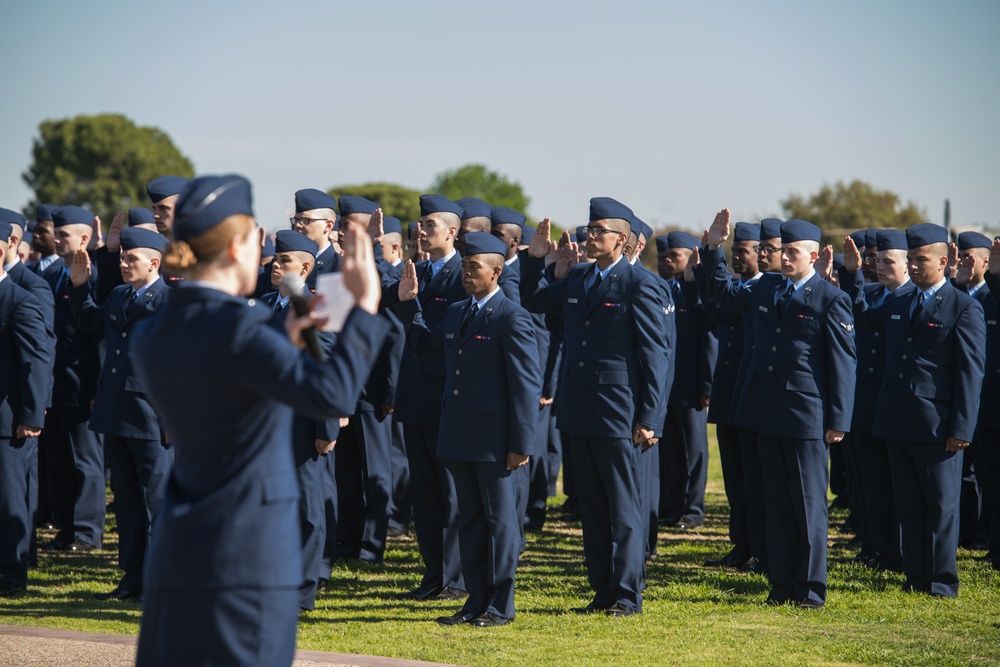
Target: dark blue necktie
593	286
469	316
785	300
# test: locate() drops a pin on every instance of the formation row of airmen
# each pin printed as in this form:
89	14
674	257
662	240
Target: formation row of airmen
480	361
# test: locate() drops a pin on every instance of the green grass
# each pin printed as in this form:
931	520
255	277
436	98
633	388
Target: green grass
691	615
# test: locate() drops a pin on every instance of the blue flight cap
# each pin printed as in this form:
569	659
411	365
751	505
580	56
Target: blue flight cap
132	238
140	216
925	233
527	233
45	212
969	240
481	243
475	208
581	234
411	228
838	261
352	204
391	225
13	218
71	215
602	208
746	231
501	215
267	250
662	243
639	227
800	230
5	231
310	199
682	240
871	237
289	240
160	188
439	204
770	228
890	239
859	237
28	237
208	200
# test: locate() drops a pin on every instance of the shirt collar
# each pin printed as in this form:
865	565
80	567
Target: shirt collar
932	290
743	283
799	283
439	264
975	288
605	272
486	298
142	290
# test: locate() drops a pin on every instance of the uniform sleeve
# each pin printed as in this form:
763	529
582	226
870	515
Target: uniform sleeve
524	382
653	351
423	342
88	315
720	282
34	361
841	363
539	294
865	317
970	367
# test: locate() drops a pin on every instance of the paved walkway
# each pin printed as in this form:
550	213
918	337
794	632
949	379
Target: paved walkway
43	647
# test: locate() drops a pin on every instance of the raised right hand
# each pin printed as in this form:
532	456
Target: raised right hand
375	230
408	284
719	231
541	243
360	275
79	270
114	241
995	258
852	256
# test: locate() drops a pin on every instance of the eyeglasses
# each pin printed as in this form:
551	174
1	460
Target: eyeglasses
600	231
305	222
869	259
766	249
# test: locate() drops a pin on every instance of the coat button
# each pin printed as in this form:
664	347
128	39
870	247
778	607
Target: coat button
458	372
583	344
904	357
727	363
909	340
460	352
778	330
580	364
774	349
876	334
117	352
124	334
871	370
251	302
729	344
874	351
900	376
770	368
586	323
455	392
114	370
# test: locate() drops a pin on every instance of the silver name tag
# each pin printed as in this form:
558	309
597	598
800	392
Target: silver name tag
897	317
763	308
572	300
449	335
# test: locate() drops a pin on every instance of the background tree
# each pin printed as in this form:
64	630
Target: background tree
842	208
396	200
100	162
475	180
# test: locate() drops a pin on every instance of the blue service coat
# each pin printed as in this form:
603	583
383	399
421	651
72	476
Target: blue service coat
121	407
224	383
697	347
615	350
77	360
934	364
24	363
989	415
801	377
25	278
493	379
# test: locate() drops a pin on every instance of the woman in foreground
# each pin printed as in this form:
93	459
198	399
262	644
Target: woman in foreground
222	576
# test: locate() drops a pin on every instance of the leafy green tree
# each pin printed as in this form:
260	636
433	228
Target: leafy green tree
475	180
100	162
844	207
396	200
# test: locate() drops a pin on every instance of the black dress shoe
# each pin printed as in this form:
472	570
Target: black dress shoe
592	608
76	546
775	601
424	591
731	559
689	525
810	605
10	590
754	566
489	620
458	618
450	593
58	544
322	584
119	594
618	610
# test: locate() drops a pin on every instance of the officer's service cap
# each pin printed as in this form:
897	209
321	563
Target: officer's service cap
482	243
160	188
890	239
439	204
925	233
391	225
501	215
132	238
71	215
800	230
354	204
474	208
969	240
208	200
289	240
140	216
746	231
602	208
311	199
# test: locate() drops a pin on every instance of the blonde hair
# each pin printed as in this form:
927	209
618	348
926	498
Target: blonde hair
185	256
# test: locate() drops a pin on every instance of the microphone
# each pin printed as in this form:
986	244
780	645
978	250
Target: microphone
294	285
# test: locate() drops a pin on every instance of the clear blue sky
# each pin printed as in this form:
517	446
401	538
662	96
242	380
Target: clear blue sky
676	109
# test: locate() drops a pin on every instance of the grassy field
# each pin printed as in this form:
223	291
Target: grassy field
692	615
